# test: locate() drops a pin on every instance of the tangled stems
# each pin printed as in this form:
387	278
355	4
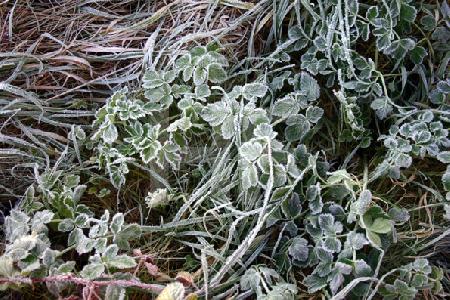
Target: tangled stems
90	284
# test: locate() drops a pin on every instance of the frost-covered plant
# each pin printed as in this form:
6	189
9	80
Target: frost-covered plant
268	121
51	222
284	201
142	125
267	284
422	134
411	278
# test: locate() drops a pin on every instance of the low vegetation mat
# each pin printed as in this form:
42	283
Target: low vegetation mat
224	149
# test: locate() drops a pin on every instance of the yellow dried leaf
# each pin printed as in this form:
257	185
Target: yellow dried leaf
173	291
192	296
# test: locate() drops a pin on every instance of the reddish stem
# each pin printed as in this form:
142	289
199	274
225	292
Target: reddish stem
86	282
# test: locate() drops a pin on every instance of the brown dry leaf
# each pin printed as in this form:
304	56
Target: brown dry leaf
185	278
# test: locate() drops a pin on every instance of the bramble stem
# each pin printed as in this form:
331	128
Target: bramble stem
156	288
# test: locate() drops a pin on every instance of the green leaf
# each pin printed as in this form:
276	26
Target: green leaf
98	230
117	176
66	225
71	181
82	221
265	131
419	280
115	292
381	225
403	160
382	107
169	76
49	257
40	218
428	22
249	176
128	233
66	267
372	13
373	238
116	223
314	199
110	134
361	268
254	90
282	291
280	193
92	271
444	157
291	206
250	150
298	249
187	73
227	129
171	154
407	13
417	54
183	62
110	251
85	245
264	164
152	80
150	152
404	290
155	95
363	203
313	114
29	265
279	174
216	113
216	73
309	86
399	48
298	127
199	75
183	124
376	220
356	240
75	236
326	221
100	245
121	262
444	86
285	107
398	214
198	51
78	191
250	280
332	244
315	283
202	91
